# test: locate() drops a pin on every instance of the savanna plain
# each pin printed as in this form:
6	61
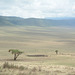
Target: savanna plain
34	40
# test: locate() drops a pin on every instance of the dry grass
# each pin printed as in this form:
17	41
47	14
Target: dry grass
51	65
37	41
7	69
31	38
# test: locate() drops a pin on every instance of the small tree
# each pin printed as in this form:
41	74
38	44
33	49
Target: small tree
56	51
15	52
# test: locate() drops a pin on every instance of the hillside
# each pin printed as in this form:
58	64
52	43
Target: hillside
12	21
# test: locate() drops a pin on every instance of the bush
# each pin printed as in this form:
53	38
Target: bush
21	68
7	65
34	69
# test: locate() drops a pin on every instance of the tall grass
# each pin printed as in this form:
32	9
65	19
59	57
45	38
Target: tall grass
11	69
12	66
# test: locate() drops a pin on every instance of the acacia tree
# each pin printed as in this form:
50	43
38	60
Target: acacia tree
15	52
56	51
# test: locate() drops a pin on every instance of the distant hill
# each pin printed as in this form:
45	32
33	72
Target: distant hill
13	21
60	18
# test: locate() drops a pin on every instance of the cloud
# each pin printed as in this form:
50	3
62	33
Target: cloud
38	8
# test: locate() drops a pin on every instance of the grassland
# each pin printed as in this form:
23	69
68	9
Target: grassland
38	40
51	65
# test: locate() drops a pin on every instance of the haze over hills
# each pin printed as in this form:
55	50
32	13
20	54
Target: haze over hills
12	21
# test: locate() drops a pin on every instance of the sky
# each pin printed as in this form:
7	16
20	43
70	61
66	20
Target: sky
37	8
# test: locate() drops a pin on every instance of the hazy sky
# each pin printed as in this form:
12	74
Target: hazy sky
37	8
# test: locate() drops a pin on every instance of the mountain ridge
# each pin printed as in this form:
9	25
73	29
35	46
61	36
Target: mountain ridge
13	21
